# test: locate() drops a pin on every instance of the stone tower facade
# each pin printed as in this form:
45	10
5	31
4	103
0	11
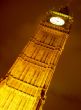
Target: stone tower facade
29	78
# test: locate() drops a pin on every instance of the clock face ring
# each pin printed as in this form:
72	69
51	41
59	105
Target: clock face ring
57	21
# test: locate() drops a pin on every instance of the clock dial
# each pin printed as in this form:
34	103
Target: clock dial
57	21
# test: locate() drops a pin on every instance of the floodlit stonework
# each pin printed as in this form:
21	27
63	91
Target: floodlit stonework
29	78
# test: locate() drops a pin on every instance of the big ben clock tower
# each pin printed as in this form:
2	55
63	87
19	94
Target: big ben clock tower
28	79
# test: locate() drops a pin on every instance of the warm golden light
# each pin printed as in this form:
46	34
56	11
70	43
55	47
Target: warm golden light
29	78
57	21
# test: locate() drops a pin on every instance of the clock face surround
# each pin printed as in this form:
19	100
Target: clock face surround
57	21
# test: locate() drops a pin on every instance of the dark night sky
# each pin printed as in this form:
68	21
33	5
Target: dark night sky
18	21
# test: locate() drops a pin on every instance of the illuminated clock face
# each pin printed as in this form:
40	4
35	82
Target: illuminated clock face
57	21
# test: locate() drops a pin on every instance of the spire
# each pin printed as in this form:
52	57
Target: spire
64	10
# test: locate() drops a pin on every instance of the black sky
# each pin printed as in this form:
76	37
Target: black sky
18	21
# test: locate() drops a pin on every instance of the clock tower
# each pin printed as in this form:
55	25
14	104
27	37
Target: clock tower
28	79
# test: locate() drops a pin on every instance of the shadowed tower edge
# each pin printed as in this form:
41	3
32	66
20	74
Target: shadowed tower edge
29	78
